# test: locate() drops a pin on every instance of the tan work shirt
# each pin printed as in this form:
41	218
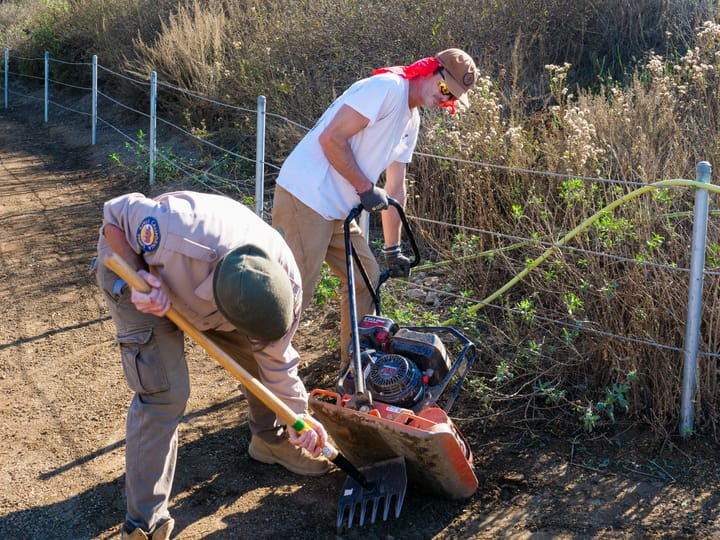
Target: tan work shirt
182	236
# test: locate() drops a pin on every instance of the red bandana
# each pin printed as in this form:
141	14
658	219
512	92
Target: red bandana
424	66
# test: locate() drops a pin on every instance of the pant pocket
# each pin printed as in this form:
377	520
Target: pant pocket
143	363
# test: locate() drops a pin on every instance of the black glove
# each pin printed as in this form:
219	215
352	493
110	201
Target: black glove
396	262
374	199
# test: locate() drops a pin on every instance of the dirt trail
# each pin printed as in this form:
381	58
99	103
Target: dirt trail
63	400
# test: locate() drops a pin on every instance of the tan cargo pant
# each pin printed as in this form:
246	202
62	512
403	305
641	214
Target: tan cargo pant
152	354
314	239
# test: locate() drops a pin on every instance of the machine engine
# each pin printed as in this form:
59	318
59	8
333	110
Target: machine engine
400	366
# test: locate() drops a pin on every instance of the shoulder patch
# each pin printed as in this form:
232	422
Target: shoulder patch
148	235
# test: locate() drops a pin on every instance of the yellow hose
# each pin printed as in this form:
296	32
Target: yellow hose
584	225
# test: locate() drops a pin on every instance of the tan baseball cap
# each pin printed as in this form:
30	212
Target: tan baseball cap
460	72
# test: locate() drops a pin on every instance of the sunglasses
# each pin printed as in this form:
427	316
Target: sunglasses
443	87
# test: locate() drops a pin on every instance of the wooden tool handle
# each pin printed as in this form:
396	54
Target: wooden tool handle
118	265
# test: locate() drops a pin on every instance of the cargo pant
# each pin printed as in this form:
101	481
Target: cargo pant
153	360
314	239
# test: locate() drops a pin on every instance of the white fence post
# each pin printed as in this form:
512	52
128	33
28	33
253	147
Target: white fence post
260	158
47	83
694	310
153	124
7	67
94	98
364	223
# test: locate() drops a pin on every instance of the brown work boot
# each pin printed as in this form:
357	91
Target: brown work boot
293	458
164	530
161	533
137	534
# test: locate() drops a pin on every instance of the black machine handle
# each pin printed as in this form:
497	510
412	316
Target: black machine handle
362	398
385	274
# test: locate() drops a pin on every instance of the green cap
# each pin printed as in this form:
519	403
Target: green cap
254	293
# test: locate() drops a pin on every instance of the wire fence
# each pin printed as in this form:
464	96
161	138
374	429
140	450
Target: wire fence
239	167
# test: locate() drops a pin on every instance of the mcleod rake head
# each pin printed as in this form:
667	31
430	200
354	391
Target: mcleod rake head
386	494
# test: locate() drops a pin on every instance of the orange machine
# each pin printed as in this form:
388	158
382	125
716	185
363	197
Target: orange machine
392	400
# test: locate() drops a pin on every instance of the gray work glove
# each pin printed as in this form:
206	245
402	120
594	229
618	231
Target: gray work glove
374	199
396	262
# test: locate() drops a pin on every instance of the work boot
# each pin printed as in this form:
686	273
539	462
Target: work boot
137	534
293	458
164	530
161	533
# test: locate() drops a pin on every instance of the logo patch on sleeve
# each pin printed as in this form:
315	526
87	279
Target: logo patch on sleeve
148	235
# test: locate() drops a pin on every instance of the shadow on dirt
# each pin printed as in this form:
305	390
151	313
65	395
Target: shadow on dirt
211	473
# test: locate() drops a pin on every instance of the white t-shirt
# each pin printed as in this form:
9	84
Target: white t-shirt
390	136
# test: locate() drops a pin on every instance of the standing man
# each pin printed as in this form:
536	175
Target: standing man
371	128
233	277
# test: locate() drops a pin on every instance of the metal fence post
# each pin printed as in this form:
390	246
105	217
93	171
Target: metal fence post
364	223
694	311
260	158
47	83
94	98
153	124
7	67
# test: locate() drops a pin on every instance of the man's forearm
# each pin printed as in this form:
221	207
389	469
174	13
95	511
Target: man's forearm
335	142
340	156
396	188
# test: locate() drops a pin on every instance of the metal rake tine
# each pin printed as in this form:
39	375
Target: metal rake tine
388	483
340	516
363	507
351	515
348	511
398	504
386	512
342	512
376	502
388	504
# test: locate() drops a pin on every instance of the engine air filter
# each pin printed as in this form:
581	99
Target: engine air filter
395	380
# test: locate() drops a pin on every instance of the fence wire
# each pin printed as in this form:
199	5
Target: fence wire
214	182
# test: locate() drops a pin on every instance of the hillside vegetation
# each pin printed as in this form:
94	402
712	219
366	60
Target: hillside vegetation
623	90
